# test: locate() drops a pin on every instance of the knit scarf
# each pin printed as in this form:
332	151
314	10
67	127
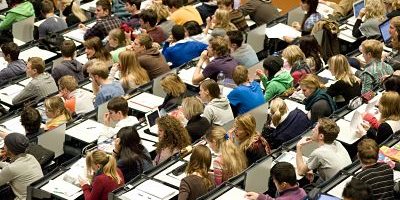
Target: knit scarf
318	95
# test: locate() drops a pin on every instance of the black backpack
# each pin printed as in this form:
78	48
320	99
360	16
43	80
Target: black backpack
51	42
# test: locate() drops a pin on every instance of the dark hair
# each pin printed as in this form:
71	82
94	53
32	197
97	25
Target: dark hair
137	3
178	32
37	63
193	28
47	7
368	151
31	120
96	44
105	5
284	172
236	37
329	129
118	104
212	87
392	83
68	48
310	47
357	190
11	49
150	16
173	3
273	64
313	4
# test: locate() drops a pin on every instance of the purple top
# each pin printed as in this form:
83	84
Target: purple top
289	194
226	64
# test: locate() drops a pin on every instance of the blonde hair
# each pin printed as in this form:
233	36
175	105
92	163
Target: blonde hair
200	162
312	82
375	9
278	109
192	106
118	35
161	11
247	123
390	106
76	10
107	162
340	68
131	71
223	20
99	68
56	106
374	47
292	54
395	21
173	85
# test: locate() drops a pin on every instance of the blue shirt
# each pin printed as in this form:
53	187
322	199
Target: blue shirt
183	51
246	97
107	92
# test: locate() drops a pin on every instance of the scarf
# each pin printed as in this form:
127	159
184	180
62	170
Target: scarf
318	95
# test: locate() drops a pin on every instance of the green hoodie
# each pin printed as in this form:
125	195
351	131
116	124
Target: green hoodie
18	13
277	85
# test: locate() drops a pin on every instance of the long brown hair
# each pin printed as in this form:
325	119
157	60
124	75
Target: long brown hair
131	71
389	106
175	135
108	165
200	162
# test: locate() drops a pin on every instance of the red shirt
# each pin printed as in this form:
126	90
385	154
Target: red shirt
101	186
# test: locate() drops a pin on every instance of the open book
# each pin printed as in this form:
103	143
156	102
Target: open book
150	190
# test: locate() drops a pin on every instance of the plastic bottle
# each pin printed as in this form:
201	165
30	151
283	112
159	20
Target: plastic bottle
221	80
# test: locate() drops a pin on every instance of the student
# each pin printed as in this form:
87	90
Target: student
219	24
23	169
104	176
274	78
206	9
198	181
378	176
312	51
197	125
368	20
175	89
375	69
131	74
15	66
73	13
116	43
294	61
117	114
133	7
172	138
69	65
105	22
392	8
282	125
163	20
392	83
132	157
179	43
230	161
312	15
249	140
261	12
76	100
149	56
181	14
357	190
103	88
322	158
222	61
148	21
52	23
393	58
284	177
217	110
242	52
247	95
41	85
195	32
95	51
317	101
236	16
56	112
341	9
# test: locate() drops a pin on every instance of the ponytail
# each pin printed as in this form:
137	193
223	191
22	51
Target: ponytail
110	169
107	162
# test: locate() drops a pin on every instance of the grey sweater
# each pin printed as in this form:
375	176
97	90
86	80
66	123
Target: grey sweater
13	69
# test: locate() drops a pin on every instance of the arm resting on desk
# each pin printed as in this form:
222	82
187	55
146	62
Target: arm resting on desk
6	174
28	92
197	75
356	29
302	168
184	190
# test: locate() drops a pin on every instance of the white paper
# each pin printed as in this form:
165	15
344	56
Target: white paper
82	59
280	30
3	63
355	121
290	157
234	193
293	105
346	135
337	191
145	102
36	52
87	131
324	10
149	145
346	33
61	188
25	82
167	176
186	75
89	6
14	125
146	136
8	93
88	86
150	190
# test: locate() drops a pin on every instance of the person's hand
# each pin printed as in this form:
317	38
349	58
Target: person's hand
310	176
260	73
361	14
3	134
208	21
82	26
3	154
288	39
296	25
251	195
107	118
117	147
170	39
204	55
362	129
82	181
304	141
322	1
156	45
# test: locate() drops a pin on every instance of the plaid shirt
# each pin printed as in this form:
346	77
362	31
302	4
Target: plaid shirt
309	23
237	18
102	27
377	69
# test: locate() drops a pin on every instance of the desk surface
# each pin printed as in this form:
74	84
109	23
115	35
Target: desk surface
8	93
168	177
145	102
87	131
36	52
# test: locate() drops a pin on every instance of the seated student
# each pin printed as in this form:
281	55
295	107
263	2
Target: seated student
172	137
219	24
284	177
20	10
105	22
118	9
132	157
312	51
15	66
243	53
347	86
378	176
163	20
281	125
392	83
317	101
104	176
148	21
175	89
342	8
392	8
247	95
133	7
41	85
76	100
195	32
389	121
274	78
198	181
294	61
73	13
236	16
369	18
103	88
222	61
217	109
181	14
149	56
249	140
230	161
24	168
261	12
357	190
69	65
131	74
206	9
116	43
322	158
56	112
393	58
179	43
117	114
95	51
53	23
375	69
197	125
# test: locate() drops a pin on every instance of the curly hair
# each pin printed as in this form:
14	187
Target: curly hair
175	135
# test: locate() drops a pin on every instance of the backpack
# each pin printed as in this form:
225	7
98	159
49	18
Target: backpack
51	42
42	155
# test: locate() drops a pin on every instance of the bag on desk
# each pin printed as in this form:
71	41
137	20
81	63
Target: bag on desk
51	42
42	155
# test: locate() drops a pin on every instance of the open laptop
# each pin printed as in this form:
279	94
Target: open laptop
357	6
384	29
151	118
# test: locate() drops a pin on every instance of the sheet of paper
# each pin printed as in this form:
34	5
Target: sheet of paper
87	131
61	188
293	105
346	135
186	75
90	6
324	10
145	102
18	42
168	177
280	30
82	59
14	125
3	63
25	82
78	34
146	136
290	157
9	92
36	52
234	193
150	190
346	33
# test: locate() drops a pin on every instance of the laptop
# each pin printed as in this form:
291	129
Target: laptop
357	6
151	118
384	29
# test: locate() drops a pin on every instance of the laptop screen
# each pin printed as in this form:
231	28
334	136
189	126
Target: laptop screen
327	197
151	117
384	29
357	7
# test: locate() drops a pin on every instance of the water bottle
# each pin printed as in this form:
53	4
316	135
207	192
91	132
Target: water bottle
221	80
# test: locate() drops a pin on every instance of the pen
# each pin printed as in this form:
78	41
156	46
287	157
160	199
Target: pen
92	127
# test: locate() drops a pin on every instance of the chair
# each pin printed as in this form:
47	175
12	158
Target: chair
23	30
157	89
54	140
256	37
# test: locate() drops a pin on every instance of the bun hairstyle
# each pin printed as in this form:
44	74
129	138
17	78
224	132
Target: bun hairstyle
278	109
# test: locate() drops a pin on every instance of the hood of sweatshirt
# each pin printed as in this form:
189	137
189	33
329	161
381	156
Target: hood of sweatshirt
18	64
221	103
152	51
74	65
24	9
282	77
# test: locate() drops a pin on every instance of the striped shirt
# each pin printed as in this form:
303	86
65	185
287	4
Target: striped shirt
379	178
377	69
